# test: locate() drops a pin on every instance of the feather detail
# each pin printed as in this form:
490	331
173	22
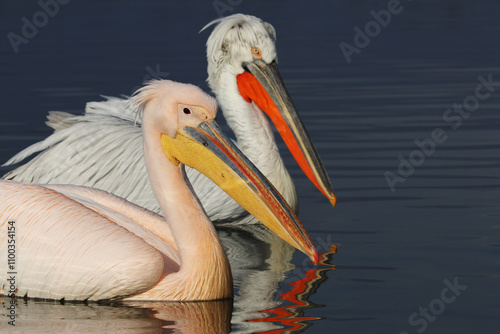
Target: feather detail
71	252
103	148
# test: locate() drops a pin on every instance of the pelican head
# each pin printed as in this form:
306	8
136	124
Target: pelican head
191	137
242	67
238	40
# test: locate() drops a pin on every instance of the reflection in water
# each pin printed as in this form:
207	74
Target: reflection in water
291	317
192	317
33	316
260	262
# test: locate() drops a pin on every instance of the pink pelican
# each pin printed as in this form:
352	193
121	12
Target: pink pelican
78	243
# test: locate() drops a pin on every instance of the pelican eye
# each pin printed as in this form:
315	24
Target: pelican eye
187	111
256	52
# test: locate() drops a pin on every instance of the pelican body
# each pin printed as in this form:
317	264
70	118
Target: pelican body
243	74
79	243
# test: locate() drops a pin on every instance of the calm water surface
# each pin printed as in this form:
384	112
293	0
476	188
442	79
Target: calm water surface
416	234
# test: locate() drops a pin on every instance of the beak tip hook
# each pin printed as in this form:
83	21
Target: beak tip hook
333	199
315	257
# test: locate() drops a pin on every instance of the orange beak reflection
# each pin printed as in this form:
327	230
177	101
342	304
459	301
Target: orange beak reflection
262	84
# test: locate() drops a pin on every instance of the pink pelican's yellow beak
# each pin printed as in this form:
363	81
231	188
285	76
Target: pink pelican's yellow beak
208	150
262	84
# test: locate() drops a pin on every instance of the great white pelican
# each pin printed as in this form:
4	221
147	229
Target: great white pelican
77	243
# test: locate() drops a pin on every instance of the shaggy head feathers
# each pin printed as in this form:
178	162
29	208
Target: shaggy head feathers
232	41
175	92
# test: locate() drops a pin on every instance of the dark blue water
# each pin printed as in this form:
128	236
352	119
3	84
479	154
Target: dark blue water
416	228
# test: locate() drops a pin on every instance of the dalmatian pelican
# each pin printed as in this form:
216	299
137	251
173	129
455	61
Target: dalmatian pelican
243	74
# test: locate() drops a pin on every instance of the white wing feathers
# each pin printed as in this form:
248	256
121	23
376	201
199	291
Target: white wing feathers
103	149
95	150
